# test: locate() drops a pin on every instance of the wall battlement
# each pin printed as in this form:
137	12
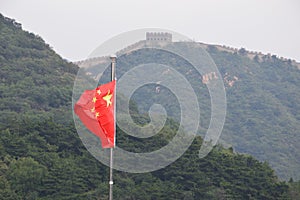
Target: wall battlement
158	37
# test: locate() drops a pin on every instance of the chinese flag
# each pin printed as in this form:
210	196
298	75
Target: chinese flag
95	108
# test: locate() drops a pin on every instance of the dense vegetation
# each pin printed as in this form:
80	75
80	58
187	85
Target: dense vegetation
47	161
41	156
263	109
263	95
35	81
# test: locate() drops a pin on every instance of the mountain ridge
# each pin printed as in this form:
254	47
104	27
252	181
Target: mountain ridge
254	55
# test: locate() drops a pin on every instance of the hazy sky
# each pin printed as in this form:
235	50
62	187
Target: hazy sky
74	28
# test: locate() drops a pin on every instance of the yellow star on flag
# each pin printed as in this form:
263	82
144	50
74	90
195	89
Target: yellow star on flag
99	92
97	114
93	109
94	100
107	98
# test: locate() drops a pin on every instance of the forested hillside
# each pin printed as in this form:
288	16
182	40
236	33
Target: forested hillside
35	81
263	113
263	98
41	156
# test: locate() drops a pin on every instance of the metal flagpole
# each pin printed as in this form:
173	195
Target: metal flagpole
113	76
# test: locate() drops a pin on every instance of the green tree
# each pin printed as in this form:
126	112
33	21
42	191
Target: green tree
26	177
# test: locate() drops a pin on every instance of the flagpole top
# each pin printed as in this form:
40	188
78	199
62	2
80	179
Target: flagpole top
113	57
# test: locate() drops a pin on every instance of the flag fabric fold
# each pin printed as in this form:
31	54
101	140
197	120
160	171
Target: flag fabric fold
95	109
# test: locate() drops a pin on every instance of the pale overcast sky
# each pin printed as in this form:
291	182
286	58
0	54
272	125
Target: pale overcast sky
74	28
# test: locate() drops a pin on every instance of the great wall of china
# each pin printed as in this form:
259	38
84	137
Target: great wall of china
165	38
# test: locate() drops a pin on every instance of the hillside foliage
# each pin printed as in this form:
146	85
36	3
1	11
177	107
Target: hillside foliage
42	157
262	116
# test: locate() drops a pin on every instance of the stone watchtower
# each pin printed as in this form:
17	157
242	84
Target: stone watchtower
158	37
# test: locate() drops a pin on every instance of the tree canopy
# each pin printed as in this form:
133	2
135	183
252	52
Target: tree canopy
42	157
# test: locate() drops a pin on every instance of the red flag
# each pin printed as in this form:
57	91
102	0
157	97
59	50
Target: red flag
95	108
